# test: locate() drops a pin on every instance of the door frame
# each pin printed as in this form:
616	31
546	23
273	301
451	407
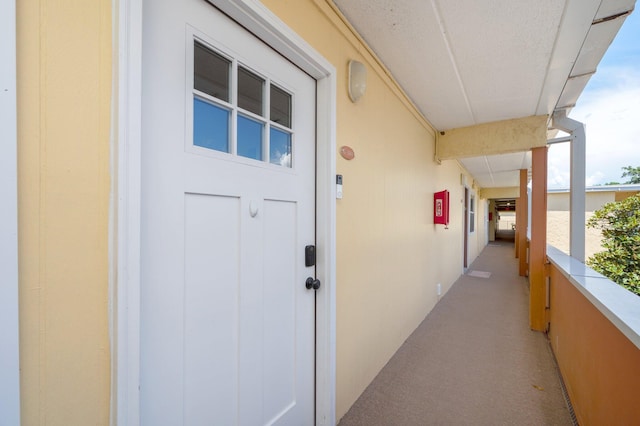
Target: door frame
126	199
9	303
465	227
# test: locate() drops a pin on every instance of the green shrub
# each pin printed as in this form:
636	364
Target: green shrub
619	223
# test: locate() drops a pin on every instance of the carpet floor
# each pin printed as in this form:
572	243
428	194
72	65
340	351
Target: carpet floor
472	361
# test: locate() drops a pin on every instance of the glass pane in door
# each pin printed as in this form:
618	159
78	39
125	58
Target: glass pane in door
249	137
210	126
280	147
210	72
280	107
250	91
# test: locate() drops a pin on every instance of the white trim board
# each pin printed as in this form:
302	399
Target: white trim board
126	231
9	321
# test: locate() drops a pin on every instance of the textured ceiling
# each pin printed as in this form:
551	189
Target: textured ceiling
497	171
468	62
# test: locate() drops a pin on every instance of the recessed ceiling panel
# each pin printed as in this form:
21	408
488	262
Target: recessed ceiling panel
475	165
406	35
510	162
505	179
572	91
595	45
502	49
614	7
497	170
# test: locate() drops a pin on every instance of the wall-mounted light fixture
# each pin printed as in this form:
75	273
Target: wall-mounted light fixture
357	80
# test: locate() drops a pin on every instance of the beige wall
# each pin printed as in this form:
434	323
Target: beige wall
64	80
623	195
506	222
390	255
558	217
558	233
559	201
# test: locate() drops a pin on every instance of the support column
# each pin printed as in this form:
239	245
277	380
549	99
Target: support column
578	194
522	222
538	243
578	187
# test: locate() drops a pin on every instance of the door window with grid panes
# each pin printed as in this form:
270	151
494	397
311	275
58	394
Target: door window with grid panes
239	112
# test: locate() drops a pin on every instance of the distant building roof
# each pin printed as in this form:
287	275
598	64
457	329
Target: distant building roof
602	188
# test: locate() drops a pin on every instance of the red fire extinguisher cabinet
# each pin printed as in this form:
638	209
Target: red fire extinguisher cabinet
441	208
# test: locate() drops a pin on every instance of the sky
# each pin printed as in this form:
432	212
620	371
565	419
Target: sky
610	108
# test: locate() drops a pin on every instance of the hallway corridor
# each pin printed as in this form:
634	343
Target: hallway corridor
472	361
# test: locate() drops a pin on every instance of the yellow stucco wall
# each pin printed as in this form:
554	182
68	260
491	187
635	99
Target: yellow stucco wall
509	192
390	255
64	89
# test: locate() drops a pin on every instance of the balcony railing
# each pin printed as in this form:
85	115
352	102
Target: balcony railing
594	330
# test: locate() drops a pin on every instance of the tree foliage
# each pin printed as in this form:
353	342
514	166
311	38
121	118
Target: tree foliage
633	173
620	226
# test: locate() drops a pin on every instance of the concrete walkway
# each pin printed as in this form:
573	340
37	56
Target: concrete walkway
472	361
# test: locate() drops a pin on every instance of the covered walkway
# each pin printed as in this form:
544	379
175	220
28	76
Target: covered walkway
473	360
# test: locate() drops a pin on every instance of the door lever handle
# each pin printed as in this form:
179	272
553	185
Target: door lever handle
312	283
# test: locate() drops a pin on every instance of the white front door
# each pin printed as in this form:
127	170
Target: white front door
228	206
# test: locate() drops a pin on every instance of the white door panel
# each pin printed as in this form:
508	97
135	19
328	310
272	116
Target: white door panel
227	325
211	387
